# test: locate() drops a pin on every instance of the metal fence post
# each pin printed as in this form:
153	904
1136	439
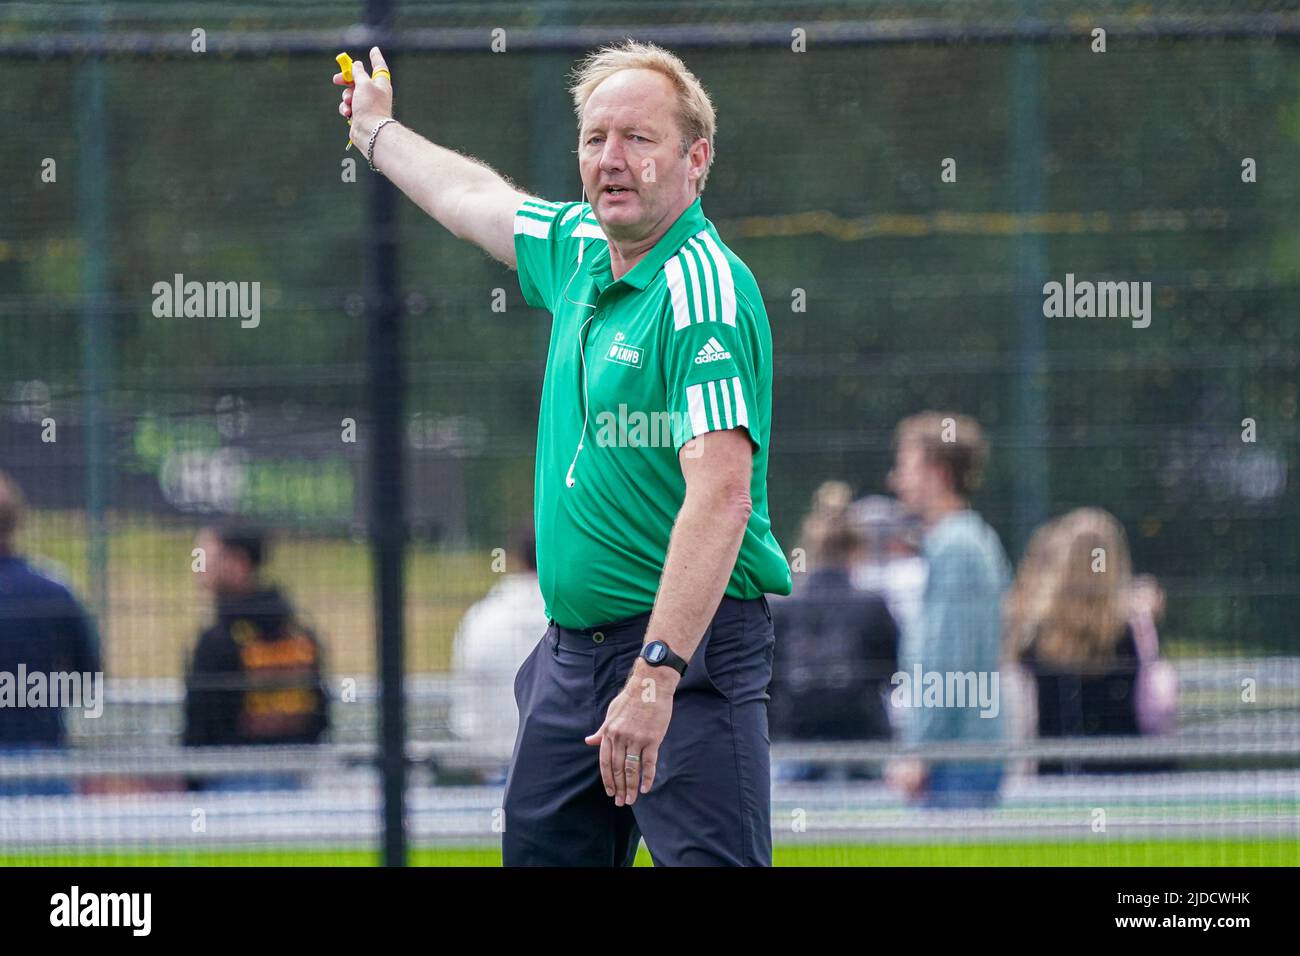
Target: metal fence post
385	383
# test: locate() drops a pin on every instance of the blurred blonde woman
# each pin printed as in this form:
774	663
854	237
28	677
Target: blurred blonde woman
1082	629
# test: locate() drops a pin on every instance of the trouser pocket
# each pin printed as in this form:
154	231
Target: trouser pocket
545	645
735	656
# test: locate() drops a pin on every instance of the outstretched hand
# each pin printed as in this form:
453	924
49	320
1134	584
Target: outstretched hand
368	99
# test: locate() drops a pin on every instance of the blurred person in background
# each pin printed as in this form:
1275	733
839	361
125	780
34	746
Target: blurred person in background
43	630
938	460
493	639
836	646
256	676
1084	631
890	562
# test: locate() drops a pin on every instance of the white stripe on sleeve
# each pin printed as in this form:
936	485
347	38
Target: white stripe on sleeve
712	312
677	290
742	413
726	283
542	205
695	407
695	286
528	226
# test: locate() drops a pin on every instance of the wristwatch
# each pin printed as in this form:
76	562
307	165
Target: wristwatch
659	654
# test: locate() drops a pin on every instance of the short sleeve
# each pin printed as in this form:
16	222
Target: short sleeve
547	236
714	355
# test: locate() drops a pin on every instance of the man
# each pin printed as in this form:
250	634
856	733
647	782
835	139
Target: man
493	639
255	677
959	631
643	711
43	630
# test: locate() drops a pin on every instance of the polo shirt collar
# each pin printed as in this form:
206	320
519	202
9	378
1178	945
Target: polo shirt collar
639	276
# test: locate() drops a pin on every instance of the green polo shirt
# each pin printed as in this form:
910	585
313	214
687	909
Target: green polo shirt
679	346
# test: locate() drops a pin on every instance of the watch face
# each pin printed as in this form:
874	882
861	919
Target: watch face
655	652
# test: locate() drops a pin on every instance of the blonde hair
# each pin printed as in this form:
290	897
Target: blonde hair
828	534
695	116
1065	604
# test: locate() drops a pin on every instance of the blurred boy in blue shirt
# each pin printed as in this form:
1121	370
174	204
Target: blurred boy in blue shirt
950	666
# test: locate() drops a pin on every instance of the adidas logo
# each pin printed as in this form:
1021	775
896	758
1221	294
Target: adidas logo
712	352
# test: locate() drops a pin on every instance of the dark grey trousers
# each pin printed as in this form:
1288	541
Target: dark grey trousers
711	800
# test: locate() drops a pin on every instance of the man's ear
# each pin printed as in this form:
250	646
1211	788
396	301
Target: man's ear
698	171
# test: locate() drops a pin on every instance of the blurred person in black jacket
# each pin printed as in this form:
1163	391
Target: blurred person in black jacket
256	676
836	646
1071	617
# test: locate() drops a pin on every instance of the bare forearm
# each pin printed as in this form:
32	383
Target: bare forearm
701	556
468	198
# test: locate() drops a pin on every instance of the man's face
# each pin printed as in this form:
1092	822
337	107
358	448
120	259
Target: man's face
226	572
913	479
629	154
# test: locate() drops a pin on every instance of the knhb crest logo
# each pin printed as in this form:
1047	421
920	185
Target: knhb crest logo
623	353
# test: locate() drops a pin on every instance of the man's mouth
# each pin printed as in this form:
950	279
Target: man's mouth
616	190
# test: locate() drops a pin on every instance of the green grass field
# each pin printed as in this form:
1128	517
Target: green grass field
1182	853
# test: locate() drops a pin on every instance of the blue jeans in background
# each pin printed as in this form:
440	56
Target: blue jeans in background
963	786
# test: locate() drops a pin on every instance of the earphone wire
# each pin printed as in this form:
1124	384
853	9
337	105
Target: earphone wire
569	480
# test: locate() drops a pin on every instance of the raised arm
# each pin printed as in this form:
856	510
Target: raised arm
468	198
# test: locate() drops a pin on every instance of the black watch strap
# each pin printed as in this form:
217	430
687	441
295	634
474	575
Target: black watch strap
659	654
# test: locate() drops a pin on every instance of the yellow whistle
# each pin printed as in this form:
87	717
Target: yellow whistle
345	64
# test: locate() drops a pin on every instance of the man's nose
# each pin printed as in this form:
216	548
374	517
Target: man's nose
611	157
